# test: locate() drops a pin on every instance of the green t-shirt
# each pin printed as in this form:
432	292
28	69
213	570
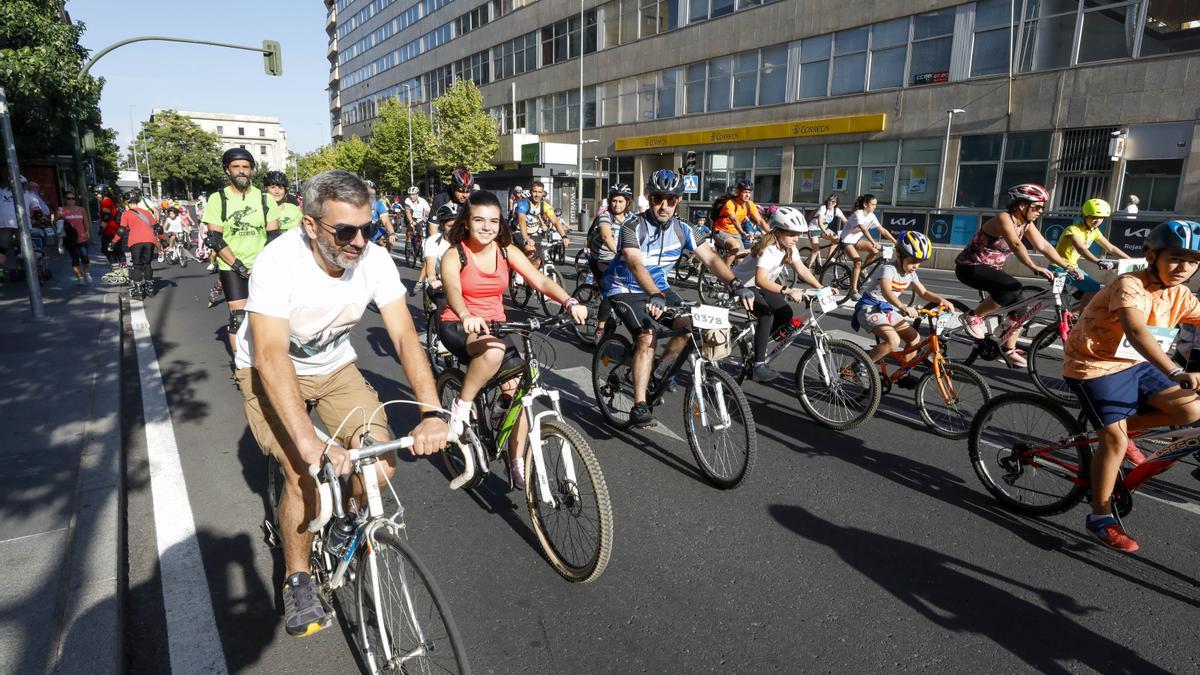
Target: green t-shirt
289	216
244	228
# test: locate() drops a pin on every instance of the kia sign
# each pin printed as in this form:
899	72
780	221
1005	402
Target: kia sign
1128	235
900	222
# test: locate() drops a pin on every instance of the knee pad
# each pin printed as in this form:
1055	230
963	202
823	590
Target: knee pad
236	317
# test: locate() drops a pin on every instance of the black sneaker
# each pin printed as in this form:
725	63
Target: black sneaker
909	381
763	373
640	415
303	613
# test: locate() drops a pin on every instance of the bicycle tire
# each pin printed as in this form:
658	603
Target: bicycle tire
589	296
858	395
837	276
449	385
612	379
713	291
550	307
725	469
581	263
998	427
413	620
951	418
572	500
1046	357
275	482
520	293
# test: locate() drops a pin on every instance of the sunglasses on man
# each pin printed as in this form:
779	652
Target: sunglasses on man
671	200
344	234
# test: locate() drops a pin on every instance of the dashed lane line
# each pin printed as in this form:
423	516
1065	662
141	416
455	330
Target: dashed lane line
192	638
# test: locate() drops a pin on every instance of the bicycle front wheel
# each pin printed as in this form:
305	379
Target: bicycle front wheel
550	307
1013	449
837	277
1045	367
518	290
404	621
712	290
574	522
612	379
724	445
948	401
837	384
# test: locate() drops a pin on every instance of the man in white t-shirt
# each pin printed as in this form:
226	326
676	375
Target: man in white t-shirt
9	228
308	291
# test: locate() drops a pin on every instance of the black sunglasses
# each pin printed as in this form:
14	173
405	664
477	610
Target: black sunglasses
344	234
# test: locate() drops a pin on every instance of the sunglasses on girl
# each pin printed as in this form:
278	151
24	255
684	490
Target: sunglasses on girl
344	234
671	200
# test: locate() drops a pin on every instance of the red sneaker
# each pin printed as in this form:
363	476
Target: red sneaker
1111	534
1133	455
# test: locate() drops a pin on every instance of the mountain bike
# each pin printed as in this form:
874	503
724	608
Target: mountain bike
521	292
836	272
836	382
412	248
403	620
949	394
1034	456
717	417
591	296
565	493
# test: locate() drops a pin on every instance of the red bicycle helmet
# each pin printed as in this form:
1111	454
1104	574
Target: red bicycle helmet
1030	192
461	179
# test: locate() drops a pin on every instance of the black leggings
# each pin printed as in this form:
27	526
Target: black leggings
117	255
773	312
142	254
79	253
236	288
1003	288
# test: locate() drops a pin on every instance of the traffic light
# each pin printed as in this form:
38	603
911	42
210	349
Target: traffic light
689	163
272	58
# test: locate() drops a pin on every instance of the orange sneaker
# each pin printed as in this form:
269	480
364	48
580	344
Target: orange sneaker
1110	533
1133	455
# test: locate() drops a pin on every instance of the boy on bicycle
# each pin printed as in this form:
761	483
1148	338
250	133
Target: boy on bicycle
1076	241
1120	372
880	308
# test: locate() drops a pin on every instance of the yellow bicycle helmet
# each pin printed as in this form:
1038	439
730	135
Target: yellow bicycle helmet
1096	208
916	245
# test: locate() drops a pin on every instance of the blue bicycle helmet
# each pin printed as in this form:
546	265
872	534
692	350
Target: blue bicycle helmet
915	245
664	182
1178	234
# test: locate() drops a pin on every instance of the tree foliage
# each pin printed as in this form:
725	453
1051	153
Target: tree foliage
387	153
466	135
349	155
314	162
181	153
40	60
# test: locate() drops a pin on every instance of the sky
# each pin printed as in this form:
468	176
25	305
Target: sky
148	75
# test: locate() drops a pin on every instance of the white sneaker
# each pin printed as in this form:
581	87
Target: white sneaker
460	417
516	469
974	325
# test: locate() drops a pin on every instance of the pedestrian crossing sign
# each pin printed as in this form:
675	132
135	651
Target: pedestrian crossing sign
691	184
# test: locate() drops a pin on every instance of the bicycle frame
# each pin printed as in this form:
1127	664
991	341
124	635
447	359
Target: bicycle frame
1187	443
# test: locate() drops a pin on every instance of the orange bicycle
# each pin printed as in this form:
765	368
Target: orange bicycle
949	394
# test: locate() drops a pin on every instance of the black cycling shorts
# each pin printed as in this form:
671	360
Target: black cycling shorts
518	240
631	309
236	288
1003	288
454	338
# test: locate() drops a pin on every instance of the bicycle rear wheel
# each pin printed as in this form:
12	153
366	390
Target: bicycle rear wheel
1003	448
589	296
949	403
404	621
274	494
574	525
726	455
837	276
837	384
449	386
612	379
1045	357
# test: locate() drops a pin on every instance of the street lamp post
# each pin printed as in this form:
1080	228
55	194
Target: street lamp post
946	154
25	241
412	180
132	149
579	180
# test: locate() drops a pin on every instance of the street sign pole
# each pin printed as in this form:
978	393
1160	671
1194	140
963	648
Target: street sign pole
18	191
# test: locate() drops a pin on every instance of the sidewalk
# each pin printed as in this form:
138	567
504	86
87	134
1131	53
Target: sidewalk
60	449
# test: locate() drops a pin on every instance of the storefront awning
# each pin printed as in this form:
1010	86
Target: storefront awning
855	124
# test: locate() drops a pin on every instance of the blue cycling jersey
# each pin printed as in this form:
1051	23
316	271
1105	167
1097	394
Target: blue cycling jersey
660	251
379	208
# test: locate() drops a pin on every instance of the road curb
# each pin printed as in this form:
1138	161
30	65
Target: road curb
91	635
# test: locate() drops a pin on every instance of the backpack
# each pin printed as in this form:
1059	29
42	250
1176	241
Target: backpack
717	207
462	255
225	205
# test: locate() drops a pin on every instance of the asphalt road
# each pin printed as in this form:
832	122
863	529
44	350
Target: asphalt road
871	550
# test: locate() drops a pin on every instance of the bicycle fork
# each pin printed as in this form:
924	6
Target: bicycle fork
719	390
534	444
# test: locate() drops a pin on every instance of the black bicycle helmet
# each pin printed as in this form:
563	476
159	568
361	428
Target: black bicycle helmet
233	154
133	196
446	212
276	178
664	182
461	179
620	190
744	184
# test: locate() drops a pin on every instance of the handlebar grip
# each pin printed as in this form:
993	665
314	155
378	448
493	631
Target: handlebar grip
468	466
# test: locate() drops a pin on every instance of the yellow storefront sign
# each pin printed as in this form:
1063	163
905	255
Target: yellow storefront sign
855	124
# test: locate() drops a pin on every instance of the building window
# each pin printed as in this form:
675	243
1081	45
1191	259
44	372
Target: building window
1155	182
850	61
989	55
620	170
719	78
879	169
658	16
629	21
991	163
919	162
472	19
814	66
561	40
699	10
806	173
693	87
220	130
722	170
1106	31
841	171
668	81
262	133
241	131
745	79
772	75
1170	27
767	162
933	38
889	50
1047	34
515	56
262	149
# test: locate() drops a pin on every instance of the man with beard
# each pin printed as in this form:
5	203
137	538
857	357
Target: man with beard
241	220
309	289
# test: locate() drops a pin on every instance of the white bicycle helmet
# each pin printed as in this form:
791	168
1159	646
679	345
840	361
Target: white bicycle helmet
789	219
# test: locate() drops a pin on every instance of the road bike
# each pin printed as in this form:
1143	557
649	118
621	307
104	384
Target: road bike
403	622
948	394
1034	456
565	493
717	417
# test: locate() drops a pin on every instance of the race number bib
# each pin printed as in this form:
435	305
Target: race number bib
709	317
1126	265
1165	337
826	300
887	251
1060	281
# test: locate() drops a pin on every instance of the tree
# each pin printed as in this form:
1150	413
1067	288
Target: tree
40	60
387	153
314	162
106	159
466	135
350	154
181	153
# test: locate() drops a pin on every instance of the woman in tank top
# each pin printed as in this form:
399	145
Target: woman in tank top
76	229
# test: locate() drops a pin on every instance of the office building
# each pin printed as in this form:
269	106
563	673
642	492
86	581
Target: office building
260	134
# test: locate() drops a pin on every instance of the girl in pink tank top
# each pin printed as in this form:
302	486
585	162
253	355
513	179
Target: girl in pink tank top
75	218
475	274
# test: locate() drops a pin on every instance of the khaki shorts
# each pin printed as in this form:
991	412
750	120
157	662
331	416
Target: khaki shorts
336	394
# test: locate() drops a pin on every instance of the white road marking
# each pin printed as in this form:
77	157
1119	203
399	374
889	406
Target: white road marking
581	392
195	645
